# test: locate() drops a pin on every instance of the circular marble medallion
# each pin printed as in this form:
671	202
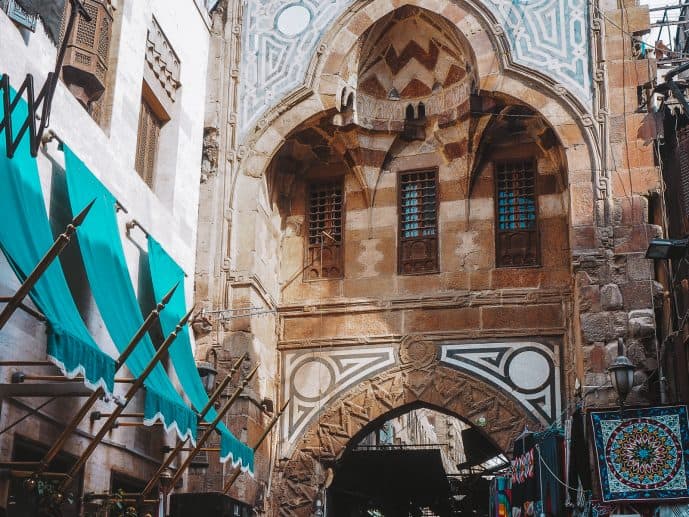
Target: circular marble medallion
529	370
293	20
313	379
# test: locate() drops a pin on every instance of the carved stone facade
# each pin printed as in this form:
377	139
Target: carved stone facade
363	92
418	379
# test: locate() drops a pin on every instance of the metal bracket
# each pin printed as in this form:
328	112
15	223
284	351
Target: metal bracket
43	102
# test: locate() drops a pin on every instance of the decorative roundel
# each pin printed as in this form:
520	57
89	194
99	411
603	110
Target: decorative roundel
293	20
529	370
643	453
313	378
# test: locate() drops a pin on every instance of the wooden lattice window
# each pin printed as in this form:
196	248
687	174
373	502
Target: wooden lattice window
85	66
325	219
516	214
147	141
683	153
418	222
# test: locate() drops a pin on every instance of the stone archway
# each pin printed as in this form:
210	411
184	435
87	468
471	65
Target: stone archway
419	379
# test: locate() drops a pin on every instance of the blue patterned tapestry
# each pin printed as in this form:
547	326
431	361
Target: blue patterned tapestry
642	453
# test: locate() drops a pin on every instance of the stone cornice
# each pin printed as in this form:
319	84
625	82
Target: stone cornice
449	301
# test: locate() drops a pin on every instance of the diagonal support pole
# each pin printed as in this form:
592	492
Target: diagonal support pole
211	401
98	393
206	434
53	252
265	434
107	426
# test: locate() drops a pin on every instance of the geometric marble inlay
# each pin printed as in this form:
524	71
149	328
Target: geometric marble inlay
313	377
527	370
549	36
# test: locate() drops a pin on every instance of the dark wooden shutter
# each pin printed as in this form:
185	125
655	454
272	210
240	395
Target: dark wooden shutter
147	142
418	222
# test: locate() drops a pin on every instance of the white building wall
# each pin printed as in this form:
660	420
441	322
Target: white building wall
169	212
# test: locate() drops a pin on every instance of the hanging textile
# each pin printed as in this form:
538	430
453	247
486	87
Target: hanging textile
25	237
500	497
525	478
551	449
164	273
108	275
579	468
680	510
642	453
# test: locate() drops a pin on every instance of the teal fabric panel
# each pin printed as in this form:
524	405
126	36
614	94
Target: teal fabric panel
106	269
25	237
166	272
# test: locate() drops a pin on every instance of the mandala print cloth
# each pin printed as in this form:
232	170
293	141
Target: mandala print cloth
642	453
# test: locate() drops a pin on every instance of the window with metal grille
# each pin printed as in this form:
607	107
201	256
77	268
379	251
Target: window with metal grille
324	255
147	142
418	222
516	213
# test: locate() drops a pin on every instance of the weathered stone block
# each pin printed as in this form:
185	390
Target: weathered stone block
641	323
610	297
595	326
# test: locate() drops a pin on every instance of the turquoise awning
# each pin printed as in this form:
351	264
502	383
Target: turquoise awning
166	272
25	237
108	275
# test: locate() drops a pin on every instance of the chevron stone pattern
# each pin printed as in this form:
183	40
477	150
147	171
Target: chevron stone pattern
549	36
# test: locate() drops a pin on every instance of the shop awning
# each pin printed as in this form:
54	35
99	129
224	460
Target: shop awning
108	275
25	236
165	272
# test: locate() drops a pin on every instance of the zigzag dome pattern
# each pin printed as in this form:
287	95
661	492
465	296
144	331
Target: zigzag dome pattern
280	38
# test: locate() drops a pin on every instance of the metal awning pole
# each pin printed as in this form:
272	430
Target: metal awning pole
107	426
71	427
58	246
206	434
265	434
211	401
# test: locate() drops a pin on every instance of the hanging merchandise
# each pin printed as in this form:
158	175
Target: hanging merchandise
537	475
579	468
500	497
525	479
642	453
601	509
551	449
680	510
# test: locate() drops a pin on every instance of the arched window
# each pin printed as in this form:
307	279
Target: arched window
422	111
409	113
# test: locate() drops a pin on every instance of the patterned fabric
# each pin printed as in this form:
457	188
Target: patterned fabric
500	497
642	453
525	476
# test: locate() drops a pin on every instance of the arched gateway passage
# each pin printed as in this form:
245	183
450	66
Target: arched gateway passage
419	379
